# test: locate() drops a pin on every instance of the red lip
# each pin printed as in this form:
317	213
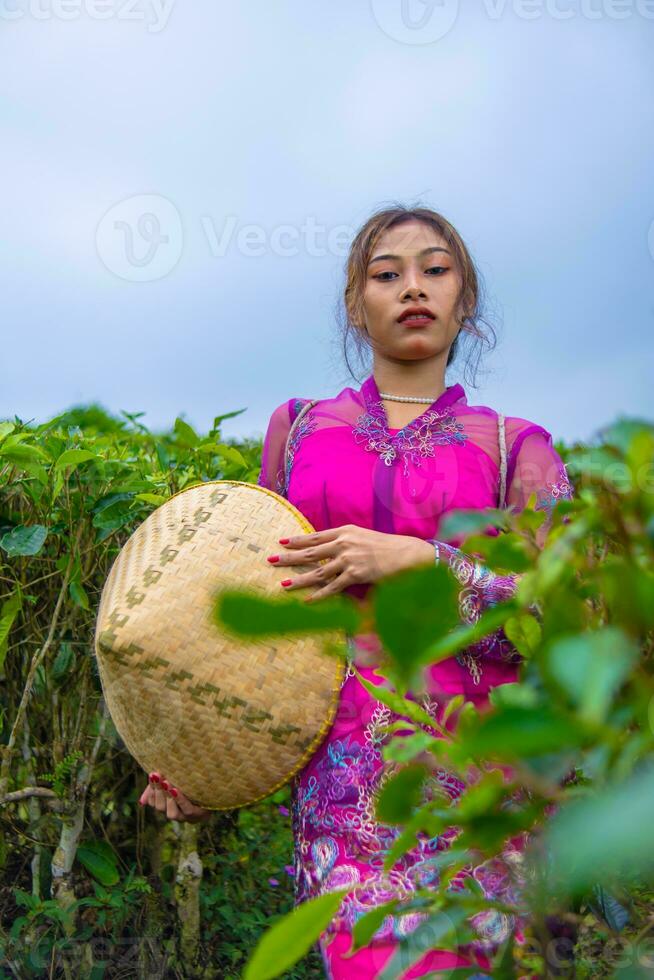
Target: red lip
415	310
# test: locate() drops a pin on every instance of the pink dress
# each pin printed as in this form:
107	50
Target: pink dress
347	467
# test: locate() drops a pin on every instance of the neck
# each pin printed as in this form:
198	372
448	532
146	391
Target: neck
418	379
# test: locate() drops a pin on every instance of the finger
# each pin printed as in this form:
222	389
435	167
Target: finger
185	804
306	540
313	553
335	586
147	796
191	810
173	812
319	576
160	797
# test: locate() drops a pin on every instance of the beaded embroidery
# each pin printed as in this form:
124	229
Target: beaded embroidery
413	440
481	588
302	429
548	496
334	800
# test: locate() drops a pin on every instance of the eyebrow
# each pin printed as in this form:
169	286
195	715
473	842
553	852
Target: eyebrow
425	251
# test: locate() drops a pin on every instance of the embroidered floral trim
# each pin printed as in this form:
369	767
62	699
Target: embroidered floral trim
551	492
339	843
481	589
417	439
306	425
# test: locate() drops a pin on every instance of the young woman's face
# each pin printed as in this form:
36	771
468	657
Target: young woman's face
411	265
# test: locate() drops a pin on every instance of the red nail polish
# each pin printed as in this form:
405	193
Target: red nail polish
164	784
284	540
287	581
173	791
273	559
154	778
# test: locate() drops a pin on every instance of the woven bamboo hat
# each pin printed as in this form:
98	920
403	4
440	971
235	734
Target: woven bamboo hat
227	719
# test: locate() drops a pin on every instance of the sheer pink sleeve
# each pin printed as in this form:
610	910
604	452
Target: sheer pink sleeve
533	467
273	474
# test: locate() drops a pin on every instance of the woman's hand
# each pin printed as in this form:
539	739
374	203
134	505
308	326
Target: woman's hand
355	555
166	798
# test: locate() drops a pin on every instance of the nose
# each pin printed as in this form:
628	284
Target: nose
412	285
413	289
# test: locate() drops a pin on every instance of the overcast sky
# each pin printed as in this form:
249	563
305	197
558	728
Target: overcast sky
181	180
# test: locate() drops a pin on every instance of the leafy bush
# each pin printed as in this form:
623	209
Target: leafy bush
576	730
95	885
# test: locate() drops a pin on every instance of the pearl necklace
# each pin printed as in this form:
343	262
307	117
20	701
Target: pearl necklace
407	398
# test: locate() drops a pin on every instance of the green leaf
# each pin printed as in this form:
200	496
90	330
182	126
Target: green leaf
412	610
24	540
367	925
629	592
407	747
400	705
440	931
480	798
10	609
521	695
63	661
163	456
530	520
228	415
73	457
100	860
524	632
26	900
595	466
17	452
504	553
288	940
453	704
248	614
505	969
621	433
401	794
516	732
151	498
186	435
5	429
640	456
609	832
457	523
109	516
110	500
463	636
78	595
591	668
230	453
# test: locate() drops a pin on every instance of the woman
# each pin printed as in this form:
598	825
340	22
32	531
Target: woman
374	474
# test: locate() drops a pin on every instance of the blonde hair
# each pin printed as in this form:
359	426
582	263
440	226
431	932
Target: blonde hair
350	309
